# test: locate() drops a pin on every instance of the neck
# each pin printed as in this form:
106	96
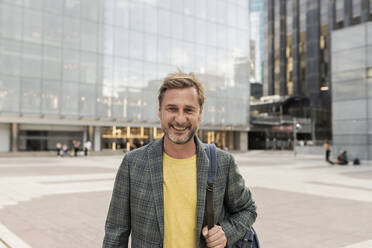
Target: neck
179	150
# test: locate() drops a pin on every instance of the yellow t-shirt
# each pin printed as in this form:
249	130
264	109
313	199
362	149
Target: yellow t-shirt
179	185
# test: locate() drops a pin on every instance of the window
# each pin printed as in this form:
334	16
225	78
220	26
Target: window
369	72
9	94
30	97
50	97
52	62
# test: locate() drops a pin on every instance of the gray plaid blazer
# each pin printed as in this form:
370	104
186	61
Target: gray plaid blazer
137	209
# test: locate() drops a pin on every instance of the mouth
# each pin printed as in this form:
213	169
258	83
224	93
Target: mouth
178	128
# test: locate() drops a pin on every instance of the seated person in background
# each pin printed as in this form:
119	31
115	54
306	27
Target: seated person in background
342	158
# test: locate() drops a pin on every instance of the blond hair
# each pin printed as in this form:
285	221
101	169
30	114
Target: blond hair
181	80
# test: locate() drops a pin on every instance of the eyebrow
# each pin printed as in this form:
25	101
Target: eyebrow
186	106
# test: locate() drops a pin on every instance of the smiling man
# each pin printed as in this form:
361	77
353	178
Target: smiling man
160	189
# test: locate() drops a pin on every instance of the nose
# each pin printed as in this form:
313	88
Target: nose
180	118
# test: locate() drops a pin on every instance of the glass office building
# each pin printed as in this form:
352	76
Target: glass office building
352	91
90	69
297	54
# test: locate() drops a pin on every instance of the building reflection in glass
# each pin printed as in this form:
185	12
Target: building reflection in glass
104	60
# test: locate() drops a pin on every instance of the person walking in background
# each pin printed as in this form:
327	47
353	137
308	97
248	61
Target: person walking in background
87	146
76	145
327	148
64	150
160	189
59	147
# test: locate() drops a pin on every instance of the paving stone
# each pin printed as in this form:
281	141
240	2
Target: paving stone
302	201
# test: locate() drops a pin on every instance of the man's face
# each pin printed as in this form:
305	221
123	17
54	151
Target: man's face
180	114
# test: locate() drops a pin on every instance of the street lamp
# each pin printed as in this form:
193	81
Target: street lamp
295	127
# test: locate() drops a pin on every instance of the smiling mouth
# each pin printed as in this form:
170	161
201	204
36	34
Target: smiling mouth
179	128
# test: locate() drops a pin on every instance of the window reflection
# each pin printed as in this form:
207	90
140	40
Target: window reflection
52	62
9	90
12	17
30	96
32	25
70	101
50	97
87	100
106	59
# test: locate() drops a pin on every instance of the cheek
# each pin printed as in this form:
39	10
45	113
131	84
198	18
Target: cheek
166	117
195	119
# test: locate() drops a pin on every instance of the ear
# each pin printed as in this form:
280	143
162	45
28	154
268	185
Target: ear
159	114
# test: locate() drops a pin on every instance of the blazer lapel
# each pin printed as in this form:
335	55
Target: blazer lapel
155	156
202	176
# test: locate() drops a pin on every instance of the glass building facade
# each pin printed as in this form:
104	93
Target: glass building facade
257	39
352	90
89	66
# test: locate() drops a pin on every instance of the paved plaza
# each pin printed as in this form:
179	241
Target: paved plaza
53	202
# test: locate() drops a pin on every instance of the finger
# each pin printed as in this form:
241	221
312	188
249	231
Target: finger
205	232
214	230
215	244
217	238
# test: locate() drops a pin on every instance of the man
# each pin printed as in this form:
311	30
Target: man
87	146
160	189
327	148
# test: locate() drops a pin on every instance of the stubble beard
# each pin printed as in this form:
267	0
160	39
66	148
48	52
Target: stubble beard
176	140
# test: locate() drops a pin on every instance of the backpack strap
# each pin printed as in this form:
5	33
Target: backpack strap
211	153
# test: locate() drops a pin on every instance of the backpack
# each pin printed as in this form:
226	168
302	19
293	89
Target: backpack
250	239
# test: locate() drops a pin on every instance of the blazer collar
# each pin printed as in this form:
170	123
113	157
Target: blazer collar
202	176
155	158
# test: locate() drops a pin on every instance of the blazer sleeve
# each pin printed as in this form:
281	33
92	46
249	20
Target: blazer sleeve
239	205
118	223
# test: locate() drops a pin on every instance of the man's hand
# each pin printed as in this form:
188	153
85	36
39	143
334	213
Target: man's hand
214	237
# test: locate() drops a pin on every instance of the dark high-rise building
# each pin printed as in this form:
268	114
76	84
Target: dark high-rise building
297	52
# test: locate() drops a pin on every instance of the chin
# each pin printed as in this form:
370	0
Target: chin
180	141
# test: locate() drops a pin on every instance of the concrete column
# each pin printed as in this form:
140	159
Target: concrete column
231	140
14	137
151	134
85	135
97	139
90	133
5	138
243	141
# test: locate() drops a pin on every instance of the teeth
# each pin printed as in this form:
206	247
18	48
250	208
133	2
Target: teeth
179	128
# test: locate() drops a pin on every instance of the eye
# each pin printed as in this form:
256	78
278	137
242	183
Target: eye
189	111
172	109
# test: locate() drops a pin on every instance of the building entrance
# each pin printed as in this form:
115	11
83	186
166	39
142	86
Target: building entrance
128	138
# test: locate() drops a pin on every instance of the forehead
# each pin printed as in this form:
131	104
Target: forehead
184	96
